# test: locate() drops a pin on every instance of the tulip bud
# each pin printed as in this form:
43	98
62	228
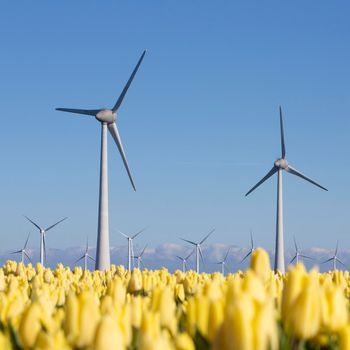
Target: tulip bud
108	335
184	342
30	325
260	264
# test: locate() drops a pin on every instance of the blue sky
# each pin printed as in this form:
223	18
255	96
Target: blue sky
199	124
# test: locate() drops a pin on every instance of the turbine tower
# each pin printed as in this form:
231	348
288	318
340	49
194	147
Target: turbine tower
23	251
86	256
198	248
43	237
279	166
184	260
108	119
335	259
131	246
223	262
251	250
298	254
139	258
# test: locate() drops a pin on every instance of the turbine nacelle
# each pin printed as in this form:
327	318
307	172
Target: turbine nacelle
281	163
106	116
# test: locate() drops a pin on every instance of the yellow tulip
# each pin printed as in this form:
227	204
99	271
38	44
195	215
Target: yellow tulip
184	342
108	335
260	264
30	325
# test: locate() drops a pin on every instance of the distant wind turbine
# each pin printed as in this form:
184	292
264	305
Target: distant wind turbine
278	167
184	260
131	246
335	259
223	262
23	251
139	258
43	237
198	248
252	248
298	254
107	118
86	256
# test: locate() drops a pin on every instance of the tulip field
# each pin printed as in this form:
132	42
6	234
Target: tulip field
117	309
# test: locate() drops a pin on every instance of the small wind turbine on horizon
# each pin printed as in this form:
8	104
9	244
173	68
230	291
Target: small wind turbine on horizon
223	262
184	260
108	119
279	166
23	251
131	246
198	248
43	233
335	259
86	256
298	254
139	258
251	250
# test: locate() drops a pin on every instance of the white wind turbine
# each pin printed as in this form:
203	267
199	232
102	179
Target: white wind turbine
86	256
251	250
107	118
298	254
131	245
335	259
139	258
184	260
279	166
223	262
23	251
198	248
43	233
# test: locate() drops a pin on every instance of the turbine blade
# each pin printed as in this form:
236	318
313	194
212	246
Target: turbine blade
188	241
341	263
306	257
44	241
326	261
283	146
25	245
143	250
189	255
246	257
115	134
295	172
336	249
251	239
122	95
124	234
180	258
37	226
295	244
90	257
226	256
200	253
58	222
87	245
28	257
143	265
76	261
16	252
267	176
206	237
136	234
291	262
91	112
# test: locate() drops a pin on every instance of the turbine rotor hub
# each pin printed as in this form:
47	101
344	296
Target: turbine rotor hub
106	116
281	163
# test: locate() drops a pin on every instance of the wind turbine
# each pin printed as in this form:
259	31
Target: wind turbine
23	251
252	248
86	256
184	260
107	118
139	258
43	237
131	245
198	248
298	254
335	259
278	167
223	262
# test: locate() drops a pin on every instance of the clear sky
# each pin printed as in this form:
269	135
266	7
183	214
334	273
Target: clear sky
199	124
